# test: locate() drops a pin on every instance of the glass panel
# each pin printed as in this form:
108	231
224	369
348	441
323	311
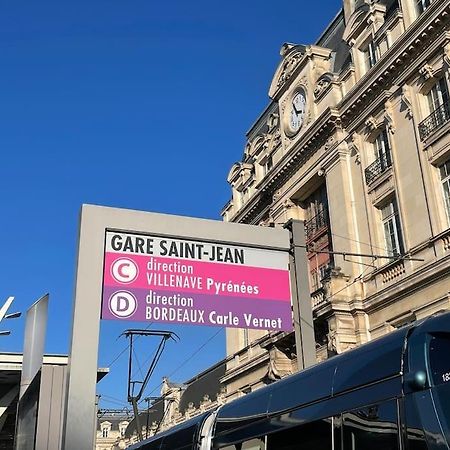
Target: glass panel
445	177
392	230
439	351
415	435
438	95
371	55
311	436
254	444
441	395
371	428
422	5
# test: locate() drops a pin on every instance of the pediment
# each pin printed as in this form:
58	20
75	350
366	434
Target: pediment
255	145
355	24
367	15
292	55
239	174
233	174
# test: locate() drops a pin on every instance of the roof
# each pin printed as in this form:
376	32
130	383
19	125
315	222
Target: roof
154	414
206	383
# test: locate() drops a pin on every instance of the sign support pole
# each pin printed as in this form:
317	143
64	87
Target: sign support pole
96	223
82	368
301	297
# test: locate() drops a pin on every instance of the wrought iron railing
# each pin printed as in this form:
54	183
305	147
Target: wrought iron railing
435	120
312	226
378	167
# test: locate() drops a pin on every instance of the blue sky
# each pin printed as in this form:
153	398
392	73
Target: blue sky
137	104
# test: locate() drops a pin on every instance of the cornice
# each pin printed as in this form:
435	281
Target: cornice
313	138
424	276
248	365
376	87
402	52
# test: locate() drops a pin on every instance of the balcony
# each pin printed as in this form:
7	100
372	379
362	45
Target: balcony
317	223
378	167
435	120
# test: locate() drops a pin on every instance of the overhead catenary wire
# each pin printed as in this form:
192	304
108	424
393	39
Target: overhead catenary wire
126	348
355	280
138	363
359	242
196	352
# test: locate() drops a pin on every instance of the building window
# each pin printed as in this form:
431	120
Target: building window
392	229
445	179
318	275
370	55
383	158
438	104
269	164
105	432
438	95
422	5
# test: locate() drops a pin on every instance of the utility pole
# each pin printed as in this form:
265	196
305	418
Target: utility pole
132	397
301	298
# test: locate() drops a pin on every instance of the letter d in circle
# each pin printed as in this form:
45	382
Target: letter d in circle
122	304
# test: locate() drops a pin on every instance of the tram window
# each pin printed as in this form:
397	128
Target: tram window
253	444
182	439
415	435
371	428
310	436
439	349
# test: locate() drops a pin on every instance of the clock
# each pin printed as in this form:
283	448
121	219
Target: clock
296	111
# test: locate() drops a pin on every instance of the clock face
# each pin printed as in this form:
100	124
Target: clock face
297	114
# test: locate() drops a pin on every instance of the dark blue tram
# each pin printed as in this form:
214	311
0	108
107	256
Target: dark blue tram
392	393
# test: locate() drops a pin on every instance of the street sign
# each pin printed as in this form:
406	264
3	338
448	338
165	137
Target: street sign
248	255
159	278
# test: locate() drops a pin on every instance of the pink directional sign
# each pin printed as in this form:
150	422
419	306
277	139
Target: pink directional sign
160	279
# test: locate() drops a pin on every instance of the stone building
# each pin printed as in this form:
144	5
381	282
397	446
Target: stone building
180	402
111	428
355	143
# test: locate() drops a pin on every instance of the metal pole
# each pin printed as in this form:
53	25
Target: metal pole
137	419
79	414
301	297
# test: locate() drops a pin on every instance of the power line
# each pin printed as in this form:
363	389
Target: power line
190	357
138	363
127	347
359	242
113	402
339	291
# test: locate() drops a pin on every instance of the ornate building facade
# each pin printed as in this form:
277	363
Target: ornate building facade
354	142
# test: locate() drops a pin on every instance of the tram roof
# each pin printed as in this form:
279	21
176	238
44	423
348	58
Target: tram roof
369	363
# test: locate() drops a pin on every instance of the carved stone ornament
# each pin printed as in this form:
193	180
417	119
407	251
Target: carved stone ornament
321	86
426	72
446	55
389	121
268	222
308	118
288	204
406	101
371	124
247	148
277	195
288	67
353	149
272	140
329	143
273	121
